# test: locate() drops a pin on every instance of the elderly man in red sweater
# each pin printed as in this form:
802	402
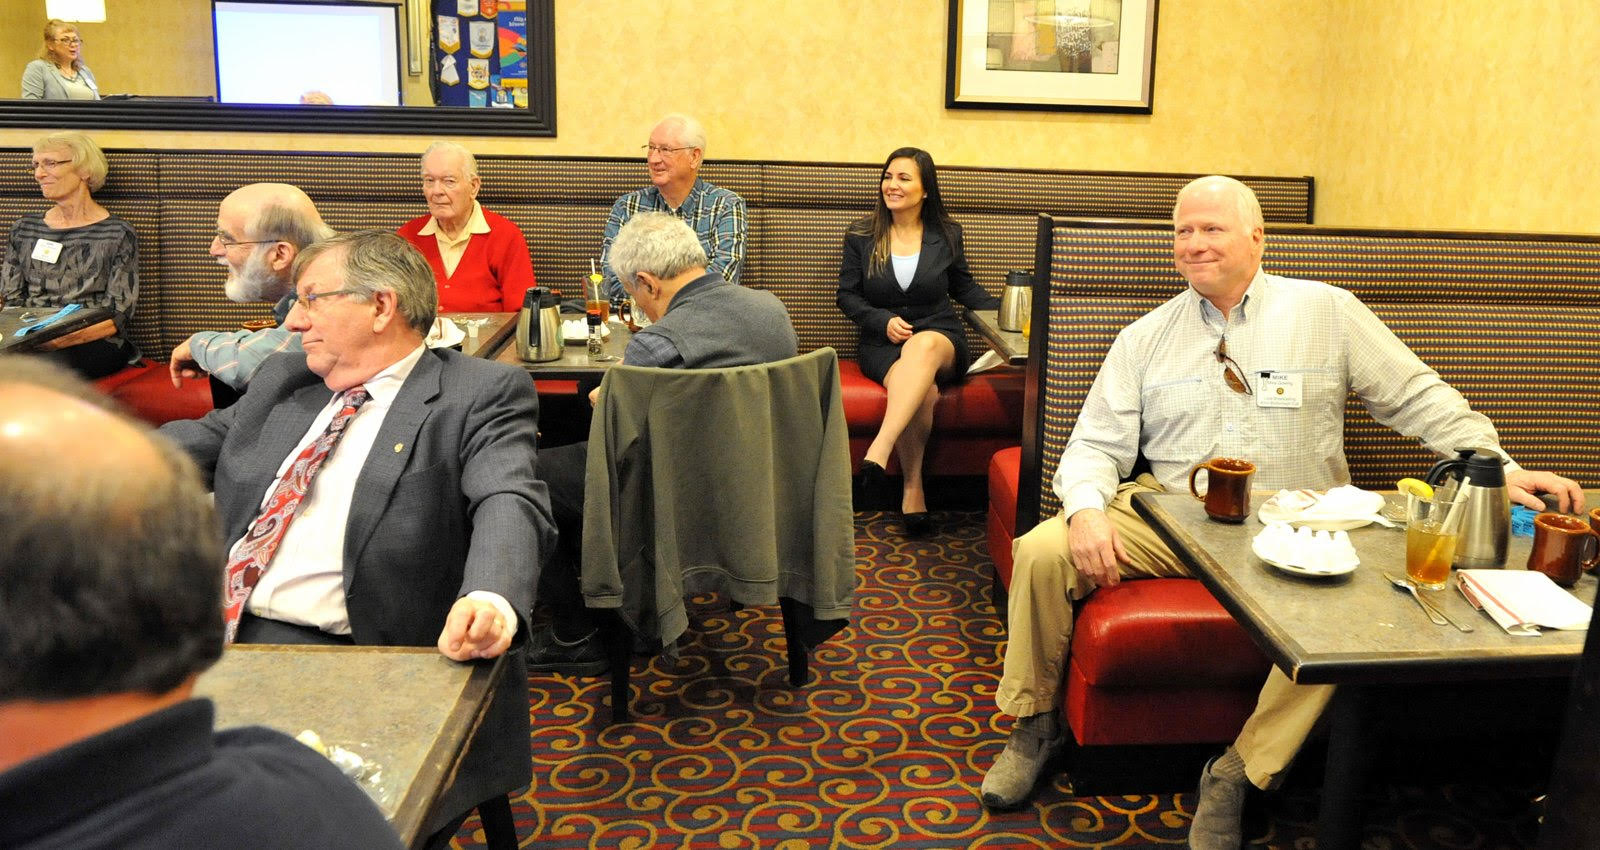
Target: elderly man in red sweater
479	259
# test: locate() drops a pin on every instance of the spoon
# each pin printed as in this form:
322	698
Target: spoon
1434	614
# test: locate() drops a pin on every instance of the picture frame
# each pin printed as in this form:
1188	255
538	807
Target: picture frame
1056	55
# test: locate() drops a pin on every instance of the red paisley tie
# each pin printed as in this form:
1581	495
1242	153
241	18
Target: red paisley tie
254	553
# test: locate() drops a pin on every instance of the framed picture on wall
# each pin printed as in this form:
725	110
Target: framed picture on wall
1066	55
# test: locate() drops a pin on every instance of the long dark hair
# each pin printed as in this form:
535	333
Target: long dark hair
878	223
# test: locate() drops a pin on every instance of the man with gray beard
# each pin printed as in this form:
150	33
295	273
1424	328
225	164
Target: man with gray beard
261	228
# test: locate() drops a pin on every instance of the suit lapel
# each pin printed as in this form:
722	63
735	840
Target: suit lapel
930	260
281	431
391	452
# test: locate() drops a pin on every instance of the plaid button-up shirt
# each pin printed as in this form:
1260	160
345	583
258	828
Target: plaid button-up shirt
716	215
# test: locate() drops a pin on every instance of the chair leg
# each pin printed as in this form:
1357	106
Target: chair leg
499	827
618	640
799	654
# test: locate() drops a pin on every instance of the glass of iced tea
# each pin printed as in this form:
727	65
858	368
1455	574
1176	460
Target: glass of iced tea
596	302
1432	530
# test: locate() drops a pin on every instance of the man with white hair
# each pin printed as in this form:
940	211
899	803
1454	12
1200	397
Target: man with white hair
1184	383
700	321
479	259
676	148
261	228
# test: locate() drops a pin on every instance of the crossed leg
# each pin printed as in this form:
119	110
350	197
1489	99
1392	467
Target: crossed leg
908	415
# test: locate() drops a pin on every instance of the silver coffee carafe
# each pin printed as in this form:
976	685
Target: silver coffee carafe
1484	505
1016	301
539	326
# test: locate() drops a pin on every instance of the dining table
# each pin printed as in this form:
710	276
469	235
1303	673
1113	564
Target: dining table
86	324
406	712
574	362
1012	346
493	329
1355	630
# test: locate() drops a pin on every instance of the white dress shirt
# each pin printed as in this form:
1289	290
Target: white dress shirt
1161	392
304	584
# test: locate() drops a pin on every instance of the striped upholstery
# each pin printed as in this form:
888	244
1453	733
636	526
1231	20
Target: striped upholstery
1510	320
798	213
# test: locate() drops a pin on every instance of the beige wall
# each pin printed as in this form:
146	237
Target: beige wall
1419	113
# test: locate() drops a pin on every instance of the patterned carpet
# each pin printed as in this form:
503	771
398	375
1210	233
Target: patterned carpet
885	748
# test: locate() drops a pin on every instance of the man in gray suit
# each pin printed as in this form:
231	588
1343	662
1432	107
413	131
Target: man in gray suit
429	489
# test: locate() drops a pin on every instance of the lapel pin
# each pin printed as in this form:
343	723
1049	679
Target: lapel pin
398	447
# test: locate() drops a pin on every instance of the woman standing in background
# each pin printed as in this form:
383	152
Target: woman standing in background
59	72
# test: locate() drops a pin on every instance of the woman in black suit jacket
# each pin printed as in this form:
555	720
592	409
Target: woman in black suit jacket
902	265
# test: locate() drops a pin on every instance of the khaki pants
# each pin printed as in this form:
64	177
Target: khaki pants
1044	584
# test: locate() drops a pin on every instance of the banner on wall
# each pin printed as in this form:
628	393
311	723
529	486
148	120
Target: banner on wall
480	53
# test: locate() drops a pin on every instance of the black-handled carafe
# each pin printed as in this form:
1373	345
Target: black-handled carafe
1484	511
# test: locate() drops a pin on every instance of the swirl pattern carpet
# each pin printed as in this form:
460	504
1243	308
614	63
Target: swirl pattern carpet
885	748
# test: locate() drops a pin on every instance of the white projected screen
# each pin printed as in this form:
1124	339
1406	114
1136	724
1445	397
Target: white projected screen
276	53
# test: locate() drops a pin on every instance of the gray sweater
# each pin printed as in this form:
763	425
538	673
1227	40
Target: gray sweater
713	323
43	81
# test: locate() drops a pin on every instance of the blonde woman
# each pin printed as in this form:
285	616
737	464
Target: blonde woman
75	252
59	72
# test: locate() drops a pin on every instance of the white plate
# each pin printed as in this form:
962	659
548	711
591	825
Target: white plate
1288	566
445	334
1270	512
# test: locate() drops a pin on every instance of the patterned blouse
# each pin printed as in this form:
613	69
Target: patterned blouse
97	266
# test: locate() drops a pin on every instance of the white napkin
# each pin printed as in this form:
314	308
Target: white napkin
1305	551
1523	601
1340	507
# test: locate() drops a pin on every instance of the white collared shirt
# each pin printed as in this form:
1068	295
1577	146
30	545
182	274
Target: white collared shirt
304	584
452	250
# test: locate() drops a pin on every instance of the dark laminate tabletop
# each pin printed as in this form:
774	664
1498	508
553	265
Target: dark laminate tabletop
574	362
1011	345
409	709
1355	628
11	321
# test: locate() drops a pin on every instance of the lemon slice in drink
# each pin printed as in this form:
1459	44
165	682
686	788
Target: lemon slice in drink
1414	487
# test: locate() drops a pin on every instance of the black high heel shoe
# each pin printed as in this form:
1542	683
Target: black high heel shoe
876	493
918	524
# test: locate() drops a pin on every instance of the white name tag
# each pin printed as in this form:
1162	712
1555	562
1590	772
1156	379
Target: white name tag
1278	389
46	251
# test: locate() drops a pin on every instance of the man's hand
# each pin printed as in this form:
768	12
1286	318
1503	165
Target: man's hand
181	365
594	396
1095	546
1523	484
899	330
475	629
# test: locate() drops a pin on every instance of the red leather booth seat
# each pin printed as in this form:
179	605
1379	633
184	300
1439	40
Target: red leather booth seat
1153	661
970	423
147	392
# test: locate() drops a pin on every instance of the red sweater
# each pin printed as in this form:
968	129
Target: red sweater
493	274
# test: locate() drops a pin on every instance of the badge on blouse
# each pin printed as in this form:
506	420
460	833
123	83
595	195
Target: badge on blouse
46	251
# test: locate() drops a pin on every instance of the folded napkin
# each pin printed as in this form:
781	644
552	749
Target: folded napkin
1523	601
50	319
1345	506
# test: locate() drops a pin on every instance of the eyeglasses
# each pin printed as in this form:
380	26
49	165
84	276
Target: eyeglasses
663	149
228	241
49	164
308	300
1232	372
447	182
68	39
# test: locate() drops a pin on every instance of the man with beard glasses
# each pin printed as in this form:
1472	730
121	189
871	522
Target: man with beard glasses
261	228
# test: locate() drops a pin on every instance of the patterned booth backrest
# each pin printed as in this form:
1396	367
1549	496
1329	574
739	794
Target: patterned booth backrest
798	212
1512	320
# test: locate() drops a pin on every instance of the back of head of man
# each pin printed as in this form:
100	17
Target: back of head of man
1217	238
365	300
110	595
110	608
676	149
261	227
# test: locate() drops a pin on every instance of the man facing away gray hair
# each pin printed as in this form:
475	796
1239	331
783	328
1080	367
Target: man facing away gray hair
261	227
